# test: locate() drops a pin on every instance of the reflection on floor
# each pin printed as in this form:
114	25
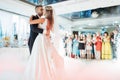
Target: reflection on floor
12	65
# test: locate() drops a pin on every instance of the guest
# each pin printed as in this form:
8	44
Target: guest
69	46
98	44
75	46
106	47
65	42
112	43
93	45
81	46
89	46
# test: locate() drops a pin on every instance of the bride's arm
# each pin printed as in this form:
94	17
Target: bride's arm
36	21
48	28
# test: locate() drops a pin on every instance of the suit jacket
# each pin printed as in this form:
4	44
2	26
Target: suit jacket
34	30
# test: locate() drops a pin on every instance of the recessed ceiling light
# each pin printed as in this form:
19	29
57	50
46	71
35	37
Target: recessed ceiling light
95	14
89	24
80	28
116	22
106	26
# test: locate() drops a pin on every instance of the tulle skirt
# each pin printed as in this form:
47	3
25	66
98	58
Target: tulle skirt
44	63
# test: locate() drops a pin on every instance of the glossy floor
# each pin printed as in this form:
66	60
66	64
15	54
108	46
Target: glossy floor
13	62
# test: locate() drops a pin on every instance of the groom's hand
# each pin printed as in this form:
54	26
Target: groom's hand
31	16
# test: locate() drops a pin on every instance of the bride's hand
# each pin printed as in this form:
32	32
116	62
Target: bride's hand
46	32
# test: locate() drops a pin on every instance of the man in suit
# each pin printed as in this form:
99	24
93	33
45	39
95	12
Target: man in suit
34	30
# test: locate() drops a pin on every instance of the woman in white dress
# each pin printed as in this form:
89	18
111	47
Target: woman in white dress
45	63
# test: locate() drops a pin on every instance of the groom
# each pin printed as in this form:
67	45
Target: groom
34	30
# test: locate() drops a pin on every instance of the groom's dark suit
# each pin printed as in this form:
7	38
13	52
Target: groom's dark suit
34	30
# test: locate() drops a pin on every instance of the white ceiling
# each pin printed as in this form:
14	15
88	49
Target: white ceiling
66	7
60	8
17	7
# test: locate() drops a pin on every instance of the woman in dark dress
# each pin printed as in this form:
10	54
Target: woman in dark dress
81	45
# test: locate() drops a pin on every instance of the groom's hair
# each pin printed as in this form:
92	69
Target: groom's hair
38	6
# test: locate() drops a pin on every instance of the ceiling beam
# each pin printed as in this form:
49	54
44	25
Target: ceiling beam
82	5
98	21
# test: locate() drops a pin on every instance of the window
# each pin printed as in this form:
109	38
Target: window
14	30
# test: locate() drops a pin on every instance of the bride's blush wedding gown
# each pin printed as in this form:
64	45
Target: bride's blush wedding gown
44	62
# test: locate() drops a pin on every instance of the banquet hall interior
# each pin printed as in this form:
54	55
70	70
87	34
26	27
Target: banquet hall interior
76	18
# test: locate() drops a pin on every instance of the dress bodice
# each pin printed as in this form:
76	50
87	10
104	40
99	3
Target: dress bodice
43	25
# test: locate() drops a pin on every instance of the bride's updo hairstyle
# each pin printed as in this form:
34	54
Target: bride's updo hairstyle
49	16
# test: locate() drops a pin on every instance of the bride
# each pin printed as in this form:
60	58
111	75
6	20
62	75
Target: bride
45	63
